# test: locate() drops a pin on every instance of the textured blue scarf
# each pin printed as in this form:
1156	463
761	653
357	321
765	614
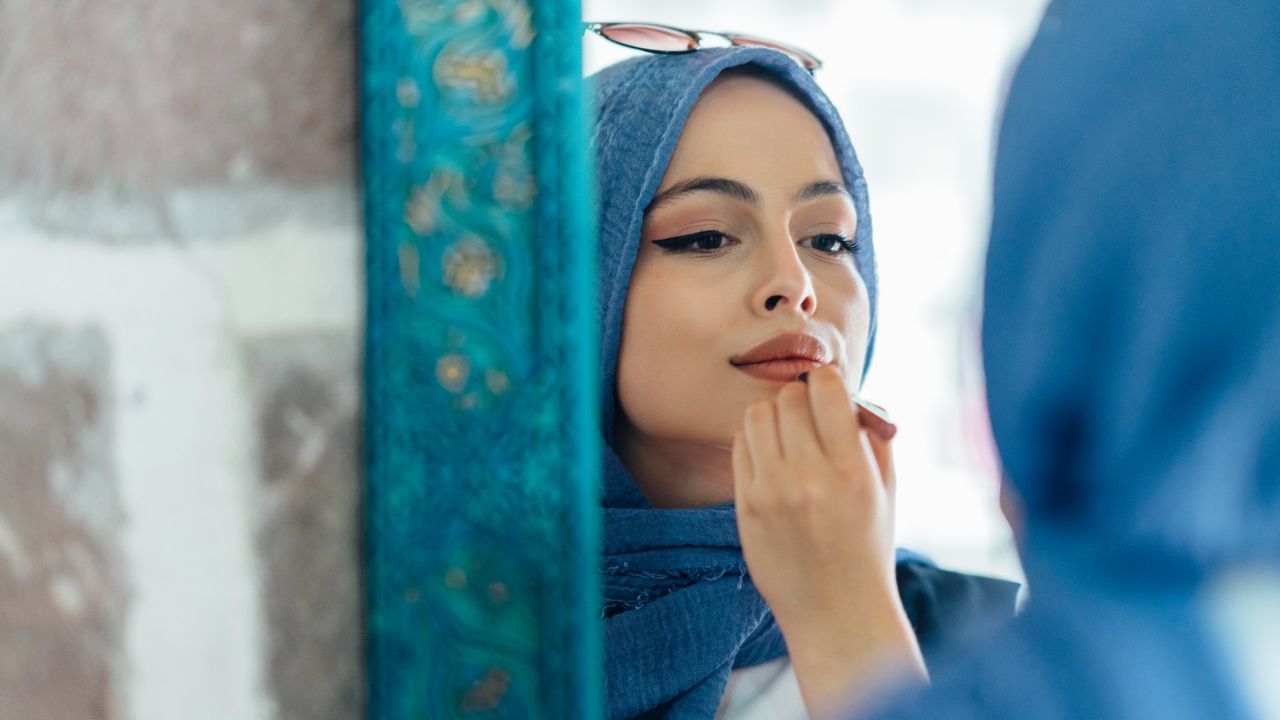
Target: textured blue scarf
680	610
1132	348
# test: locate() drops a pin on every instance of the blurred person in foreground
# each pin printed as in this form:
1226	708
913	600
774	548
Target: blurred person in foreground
1132	349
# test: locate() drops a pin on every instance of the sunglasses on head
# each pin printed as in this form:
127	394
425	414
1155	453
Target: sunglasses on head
668	40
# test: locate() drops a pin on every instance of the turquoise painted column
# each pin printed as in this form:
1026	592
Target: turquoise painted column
481	400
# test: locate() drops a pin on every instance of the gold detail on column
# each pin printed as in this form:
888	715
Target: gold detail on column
455	579
452	372
407	92
410	271
497	381
483	73
518	17
470	266
498	592
488	693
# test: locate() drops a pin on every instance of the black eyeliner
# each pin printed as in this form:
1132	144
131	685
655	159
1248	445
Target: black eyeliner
685	242
848	243
682	243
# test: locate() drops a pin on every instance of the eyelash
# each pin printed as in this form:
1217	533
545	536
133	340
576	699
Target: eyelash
686	243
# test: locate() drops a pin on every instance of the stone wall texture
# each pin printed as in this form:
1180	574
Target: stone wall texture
180	328
151	94
63	589
308	536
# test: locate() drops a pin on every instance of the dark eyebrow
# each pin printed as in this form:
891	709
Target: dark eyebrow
722	186
739	191
822	188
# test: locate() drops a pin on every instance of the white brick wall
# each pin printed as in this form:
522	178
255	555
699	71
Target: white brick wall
176	314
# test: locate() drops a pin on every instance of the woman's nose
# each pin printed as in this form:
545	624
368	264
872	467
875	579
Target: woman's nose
785	283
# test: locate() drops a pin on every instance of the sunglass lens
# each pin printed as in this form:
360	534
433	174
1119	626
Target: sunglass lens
649	37
808	61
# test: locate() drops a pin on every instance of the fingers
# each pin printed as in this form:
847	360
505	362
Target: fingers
882	450
760	430
837	426
815	419
796	423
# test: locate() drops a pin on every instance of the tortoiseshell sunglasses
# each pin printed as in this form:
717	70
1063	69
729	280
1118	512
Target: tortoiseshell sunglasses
668	40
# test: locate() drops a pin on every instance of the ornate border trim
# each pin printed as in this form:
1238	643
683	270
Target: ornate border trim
481	417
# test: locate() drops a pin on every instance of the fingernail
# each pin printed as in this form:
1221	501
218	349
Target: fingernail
803	377
875	419
873	408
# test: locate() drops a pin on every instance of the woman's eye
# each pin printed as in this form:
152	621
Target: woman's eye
703	242
831	243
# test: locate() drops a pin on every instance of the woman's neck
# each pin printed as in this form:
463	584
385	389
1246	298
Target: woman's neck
677	473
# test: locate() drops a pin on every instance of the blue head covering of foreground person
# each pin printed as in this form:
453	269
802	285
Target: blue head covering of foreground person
680	609
1132	348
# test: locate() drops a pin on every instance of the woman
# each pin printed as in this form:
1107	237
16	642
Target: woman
1132	348
736	254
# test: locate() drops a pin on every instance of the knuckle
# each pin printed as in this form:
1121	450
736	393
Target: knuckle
793	502
803	498
761	504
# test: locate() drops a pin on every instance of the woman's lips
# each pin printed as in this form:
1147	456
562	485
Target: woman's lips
779	370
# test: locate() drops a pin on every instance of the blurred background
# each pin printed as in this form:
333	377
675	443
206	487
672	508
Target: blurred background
180	328
919	84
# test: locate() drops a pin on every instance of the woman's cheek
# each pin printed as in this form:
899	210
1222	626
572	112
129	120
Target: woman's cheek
843	302
667	379
640	371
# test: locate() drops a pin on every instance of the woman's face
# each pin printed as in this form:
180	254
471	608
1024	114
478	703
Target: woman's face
748	238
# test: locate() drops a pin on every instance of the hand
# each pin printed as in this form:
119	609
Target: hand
815	505
814	498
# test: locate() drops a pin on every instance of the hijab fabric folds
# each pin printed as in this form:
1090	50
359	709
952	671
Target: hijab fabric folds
680	609
641	108
1132	349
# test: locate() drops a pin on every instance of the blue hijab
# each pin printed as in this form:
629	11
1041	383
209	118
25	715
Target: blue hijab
680	610
1132	349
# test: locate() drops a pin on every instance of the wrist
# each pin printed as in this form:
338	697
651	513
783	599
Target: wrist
843	659
843	612
868	625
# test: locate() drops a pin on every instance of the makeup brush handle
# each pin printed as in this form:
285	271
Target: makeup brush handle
875	419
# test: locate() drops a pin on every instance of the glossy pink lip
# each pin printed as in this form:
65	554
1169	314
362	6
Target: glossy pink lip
782	357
